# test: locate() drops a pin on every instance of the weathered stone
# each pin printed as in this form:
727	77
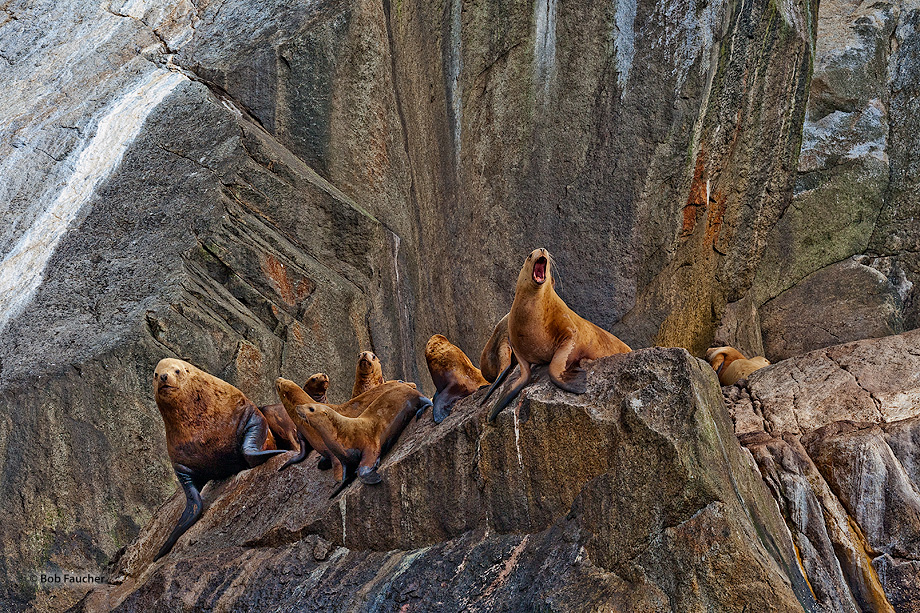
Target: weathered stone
634	495
843	302
740	328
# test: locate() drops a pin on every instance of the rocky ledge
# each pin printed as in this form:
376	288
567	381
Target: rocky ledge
635	496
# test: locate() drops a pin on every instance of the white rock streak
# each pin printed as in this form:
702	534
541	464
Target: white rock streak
544	46
22	269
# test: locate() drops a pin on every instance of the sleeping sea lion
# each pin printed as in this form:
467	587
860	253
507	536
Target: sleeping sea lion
731	366
212	432
368	373
453	374
496	355
359	442
542	329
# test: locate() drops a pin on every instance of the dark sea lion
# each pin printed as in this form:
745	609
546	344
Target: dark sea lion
359	442
212	432
453	374
368	373
731	366
497	354
317	386
292	395
542	329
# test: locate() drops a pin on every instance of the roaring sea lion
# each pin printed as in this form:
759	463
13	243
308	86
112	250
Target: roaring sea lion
368	373
453	374
359	442
292	395
496	355
212	431
542	329
731	365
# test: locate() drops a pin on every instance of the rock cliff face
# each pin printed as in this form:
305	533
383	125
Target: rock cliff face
268	190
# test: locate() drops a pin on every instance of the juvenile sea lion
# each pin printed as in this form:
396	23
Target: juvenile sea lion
292	395
281	424
497	354
359	442
453	374
731	365
542	329
212	431
368	373
316	386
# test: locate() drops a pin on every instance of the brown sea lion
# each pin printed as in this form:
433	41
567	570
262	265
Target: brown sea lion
731	365
292	395
453	374
497	354
542	329
368	373
212	431
359	442
281	424
317	386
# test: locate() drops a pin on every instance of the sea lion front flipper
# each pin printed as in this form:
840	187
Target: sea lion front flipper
505	400
346	479
500	379
367	470
254	434
572	379
443	402
192	508
324	463
300	455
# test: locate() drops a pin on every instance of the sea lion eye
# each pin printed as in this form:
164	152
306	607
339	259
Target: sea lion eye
177	371
312	409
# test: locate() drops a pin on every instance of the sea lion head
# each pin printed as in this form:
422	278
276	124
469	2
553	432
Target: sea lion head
368	362
315	414
290	393
536	271
318	383
721	357
170	377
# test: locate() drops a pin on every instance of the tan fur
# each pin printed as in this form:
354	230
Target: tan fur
731	365
368	373
496	355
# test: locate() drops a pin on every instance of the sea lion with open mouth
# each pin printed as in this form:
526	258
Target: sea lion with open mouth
542	329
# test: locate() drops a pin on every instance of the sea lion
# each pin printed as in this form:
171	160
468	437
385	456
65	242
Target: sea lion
212	431
281	424
359	442
292	395
497	354
317	386
453	374
731	365
542	329
368	373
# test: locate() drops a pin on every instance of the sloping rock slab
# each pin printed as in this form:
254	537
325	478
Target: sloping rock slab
633	496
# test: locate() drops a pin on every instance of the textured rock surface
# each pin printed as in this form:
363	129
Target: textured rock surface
634	496
835	434
855	189
269	189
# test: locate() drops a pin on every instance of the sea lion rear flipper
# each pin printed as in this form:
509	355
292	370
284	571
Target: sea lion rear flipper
499	380
300	455
346	479
254	435
505	400
324	463
424	402
192	509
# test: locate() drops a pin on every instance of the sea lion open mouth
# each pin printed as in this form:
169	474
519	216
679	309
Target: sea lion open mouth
539	270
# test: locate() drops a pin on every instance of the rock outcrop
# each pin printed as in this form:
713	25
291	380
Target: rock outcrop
634	496
835	434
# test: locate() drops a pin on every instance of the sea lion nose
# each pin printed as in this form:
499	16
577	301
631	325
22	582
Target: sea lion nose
163	377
